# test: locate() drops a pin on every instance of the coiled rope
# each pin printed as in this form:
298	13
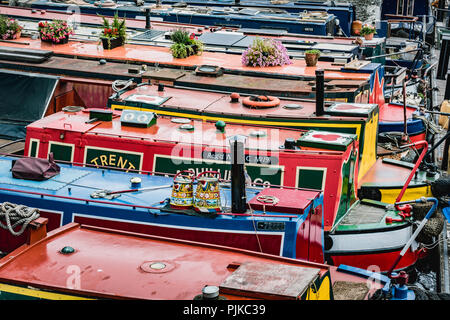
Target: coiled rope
14	215
119	85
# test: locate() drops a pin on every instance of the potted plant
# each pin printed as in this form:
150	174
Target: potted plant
265	52
185	44
56	31
368	31
9	28
311	57
113	34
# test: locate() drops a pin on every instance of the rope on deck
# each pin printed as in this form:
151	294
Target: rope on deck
13	215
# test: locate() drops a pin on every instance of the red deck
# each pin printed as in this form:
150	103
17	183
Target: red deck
112	264
162	55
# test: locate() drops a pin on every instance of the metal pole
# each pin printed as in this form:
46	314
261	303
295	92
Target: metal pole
445	257
424	31
320	92
405	129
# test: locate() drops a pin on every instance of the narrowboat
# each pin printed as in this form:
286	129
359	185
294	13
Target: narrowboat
85	262
306	22
359	119
344	11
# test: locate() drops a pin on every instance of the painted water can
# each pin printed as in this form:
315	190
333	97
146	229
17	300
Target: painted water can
183	190
207	194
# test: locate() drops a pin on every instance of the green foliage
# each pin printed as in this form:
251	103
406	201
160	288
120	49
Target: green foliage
181	36
180	50
113	29
185	44
313	51
366	29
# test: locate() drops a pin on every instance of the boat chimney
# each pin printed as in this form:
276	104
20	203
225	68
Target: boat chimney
320	92
238	195
147	19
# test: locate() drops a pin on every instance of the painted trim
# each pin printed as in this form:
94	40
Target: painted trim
361	242
37	146
355	126
38	294
168	226
324	177
71	145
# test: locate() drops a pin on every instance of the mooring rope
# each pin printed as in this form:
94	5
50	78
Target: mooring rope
14	215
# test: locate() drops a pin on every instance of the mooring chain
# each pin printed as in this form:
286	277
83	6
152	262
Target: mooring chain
15	214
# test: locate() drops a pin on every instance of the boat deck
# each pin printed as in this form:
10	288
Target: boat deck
155	268
220	104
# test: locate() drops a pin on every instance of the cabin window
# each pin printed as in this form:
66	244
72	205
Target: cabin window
410	8
61	151
311	178
400	7
34	148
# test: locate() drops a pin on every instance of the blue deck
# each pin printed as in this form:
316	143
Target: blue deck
214	19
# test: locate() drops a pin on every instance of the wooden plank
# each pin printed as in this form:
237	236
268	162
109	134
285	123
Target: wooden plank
274	281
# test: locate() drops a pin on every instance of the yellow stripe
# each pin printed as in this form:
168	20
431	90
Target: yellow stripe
37	293
411	193
322	293
357	127
369	156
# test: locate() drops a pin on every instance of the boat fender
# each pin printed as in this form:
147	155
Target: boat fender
432	228
440	187
261	102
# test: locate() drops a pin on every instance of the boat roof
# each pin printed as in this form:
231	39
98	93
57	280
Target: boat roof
208	102
171	130
161	55
91	19
116	264
75	183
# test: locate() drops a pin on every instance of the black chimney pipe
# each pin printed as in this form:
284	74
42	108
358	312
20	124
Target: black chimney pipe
320	92
238	195
147	19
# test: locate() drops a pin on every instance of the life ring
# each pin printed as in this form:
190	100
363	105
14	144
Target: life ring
261	102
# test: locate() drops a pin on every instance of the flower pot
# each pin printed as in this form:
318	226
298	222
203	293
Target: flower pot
311	59
61	41
113	43
194	48
17	35
368	36
356	27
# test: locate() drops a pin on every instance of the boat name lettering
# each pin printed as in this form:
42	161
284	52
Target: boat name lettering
109	158
249	158
270	226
